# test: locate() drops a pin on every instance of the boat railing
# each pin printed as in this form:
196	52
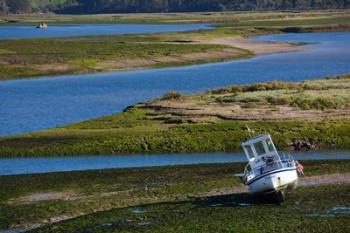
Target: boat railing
287	157
284	162
275	163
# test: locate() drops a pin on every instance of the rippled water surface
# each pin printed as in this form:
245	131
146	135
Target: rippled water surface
29	105
21	32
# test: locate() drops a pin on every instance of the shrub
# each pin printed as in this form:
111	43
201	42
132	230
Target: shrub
221	91
323	103
220	99
305	106
319	103
171	95
312	87
270	86
293	29
278	100
254	100
226	99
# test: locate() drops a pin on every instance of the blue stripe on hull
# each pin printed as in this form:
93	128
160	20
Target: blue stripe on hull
269	173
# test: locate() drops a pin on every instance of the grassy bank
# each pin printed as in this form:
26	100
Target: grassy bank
38	57
88	54
44	198
313	112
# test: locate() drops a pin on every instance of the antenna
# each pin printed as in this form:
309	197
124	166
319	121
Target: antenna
249	130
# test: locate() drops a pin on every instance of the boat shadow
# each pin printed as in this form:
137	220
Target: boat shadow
233	200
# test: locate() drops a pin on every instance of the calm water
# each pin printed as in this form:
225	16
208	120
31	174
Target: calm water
56	164
29	105
21	32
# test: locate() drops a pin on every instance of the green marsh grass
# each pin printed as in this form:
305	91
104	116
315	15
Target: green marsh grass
307	210
140	130
100	190
331	93
37	57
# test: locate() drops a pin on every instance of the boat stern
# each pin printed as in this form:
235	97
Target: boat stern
277	181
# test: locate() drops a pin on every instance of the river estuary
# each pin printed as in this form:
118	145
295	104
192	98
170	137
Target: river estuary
36	104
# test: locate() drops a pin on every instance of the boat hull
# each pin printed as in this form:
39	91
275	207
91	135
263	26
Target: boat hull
278	180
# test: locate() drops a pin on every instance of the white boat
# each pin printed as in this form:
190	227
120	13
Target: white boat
267	172
42	26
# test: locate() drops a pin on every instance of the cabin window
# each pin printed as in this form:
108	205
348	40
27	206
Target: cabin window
249	151
259	148
270	146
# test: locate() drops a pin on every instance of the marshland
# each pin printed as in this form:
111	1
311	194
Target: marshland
201	192
285	73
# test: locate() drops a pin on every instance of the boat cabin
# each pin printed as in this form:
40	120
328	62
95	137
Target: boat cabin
260	152
267	172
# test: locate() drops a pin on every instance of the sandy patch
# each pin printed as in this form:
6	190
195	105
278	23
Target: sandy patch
239	111
54	67
325	179
124	64
65	196
225	53
36	197
257	47
167	59
129	64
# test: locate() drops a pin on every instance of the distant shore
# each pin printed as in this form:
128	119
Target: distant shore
273	18
165	54
92	54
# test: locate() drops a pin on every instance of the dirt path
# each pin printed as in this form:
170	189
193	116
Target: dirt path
325	179
242	111
303	182
36	197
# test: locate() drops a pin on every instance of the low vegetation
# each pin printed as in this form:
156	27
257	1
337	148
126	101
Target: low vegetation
320	94
45	198
201	123
307	210
37	57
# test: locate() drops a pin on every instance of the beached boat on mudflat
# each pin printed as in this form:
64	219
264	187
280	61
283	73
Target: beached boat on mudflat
267	172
